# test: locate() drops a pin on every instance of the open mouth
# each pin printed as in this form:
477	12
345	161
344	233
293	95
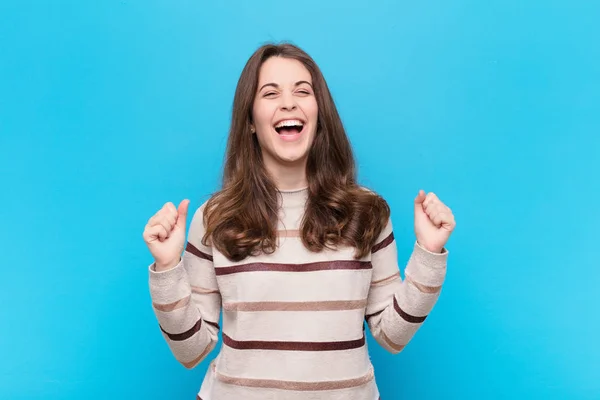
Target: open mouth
289	127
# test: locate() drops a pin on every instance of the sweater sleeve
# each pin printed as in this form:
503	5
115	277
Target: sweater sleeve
186	299
397	308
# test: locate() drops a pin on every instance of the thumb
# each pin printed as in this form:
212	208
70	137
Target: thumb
182	210
420	198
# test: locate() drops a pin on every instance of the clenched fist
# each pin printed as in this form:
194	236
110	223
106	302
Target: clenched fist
165	234
434	222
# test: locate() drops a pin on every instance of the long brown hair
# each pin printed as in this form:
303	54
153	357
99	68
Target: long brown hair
241	218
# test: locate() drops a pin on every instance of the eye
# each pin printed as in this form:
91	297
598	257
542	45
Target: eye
303	91
269	94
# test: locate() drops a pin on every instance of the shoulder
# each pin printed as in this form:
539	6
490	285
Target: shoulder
197	229
198	220
199	211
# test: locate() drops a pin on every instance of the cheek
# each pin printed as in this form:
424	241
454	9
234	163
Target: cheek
312	112
310	109
262	114
313	109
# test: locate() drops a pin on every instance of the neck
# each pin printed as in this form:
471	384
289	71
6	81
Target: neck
288	177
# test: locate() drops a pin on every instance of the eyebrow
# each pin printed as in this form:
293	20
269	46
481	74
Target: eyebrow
277	86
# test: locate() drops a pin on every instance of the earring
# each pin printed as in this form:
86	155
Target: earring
252	129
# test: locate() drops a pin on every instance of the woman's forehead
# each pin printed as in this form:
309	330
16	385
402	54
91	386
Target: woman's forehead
283	71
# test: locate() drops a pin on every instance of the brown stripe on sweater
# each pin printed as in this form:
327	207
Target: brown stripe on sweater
369	316
397	347
202	290
407	317
184	335
295	385
422	288
190	248
293	346
213	324
308	267
383	244
333	305
197	360
172	306
387	280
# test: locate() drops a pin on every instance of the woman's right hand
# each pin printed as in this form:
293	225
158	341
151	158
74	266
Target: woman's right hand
164	234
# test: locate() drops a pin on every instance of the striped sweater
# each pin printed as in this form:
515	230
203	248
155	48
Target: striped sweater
293	320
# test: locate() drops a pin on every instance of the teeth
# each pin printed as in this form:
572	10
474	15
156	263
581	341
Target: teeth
289	122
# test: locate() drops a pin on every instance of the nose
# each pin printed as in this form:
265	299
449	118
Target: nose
288	103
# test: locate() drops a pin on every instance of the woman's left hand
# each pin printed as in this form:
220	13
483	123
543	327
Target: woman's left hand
434	222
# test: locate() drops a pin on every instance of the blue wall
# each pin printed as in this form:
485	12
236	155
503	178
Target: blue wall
109	109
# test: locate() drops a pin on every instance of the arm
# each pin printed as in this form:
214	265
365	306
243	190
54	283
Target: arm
397	308
186	300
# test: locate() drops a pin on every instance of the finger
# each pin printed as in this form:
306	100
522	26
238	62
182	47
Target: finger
433	207
444	219
449	222
162	233
441	217
166	217
437	218
440	207
182	211
171	218
168	222
152	233
164	214
170	210
430	198
169	206
164	221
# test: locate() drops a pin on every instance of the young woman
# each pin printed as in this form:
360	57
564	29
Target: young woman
292	251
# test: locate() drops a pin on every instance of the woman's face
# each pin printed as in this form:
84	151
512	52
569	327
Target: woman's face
284	112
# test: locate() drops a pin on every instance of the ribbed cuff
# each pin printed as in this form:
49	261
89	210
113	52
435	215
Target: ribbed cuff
168	277
429	258
426	267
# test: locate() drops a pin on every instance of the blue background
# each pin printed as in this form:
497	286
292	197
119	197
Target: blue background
109	109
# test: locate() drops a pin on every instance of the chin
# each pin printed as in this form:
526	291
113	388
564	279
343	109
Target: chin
292	158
